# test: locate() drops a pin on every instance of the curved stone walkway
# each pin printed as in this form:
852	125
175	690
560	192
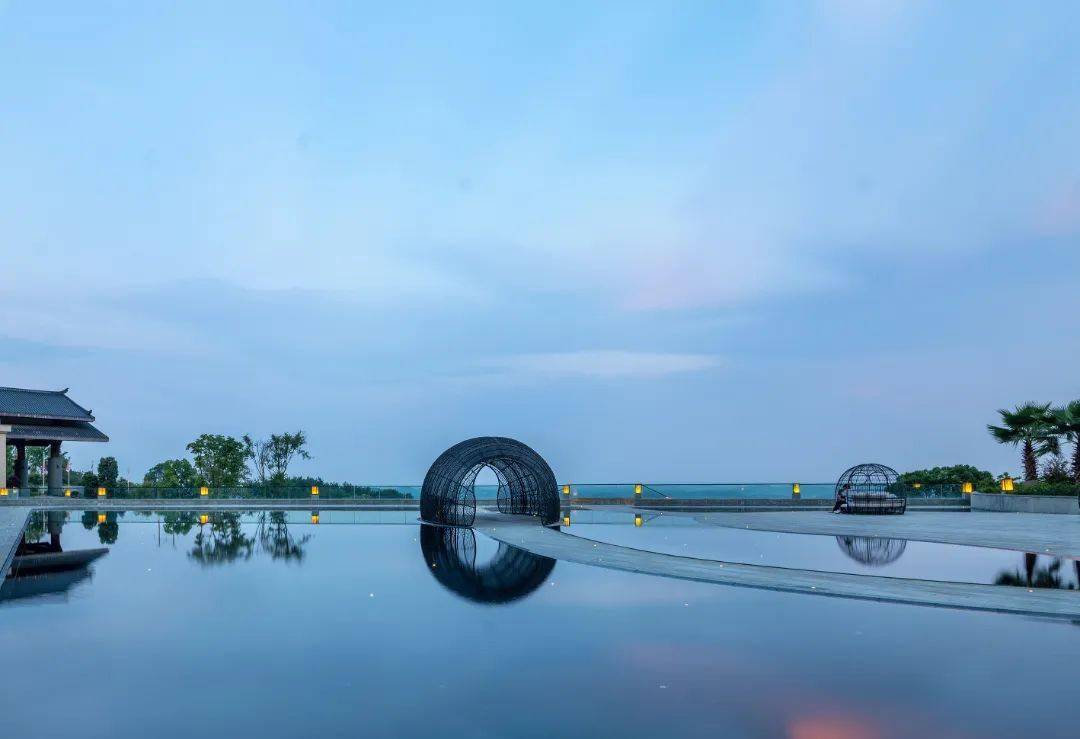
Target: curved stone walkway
999	598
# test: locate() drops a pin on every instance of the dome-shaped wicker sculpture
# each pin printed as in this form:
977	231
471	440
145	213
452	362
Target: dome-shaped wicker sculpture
512	574
526	483
869	550
871	488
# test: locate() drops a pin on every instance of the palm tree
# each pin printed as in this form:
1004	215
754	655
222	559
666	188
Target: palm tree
1066	422
1030	426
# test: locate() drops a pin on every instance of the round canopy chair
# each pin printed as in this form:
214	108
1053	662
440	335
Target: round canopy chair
872	489
526	483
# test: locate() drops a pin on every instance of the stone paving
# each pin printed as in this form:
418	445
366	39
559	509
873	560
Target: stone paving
12	523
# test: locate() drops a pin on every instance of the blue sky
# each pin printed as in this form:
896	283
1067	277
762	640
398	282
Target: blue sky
661	241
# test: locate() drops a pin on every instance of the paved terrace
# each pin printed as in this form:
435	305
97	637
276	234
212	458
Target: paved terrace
12	522
567	547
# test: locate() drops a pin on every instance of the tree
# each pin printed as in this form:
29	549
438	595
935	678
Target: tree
90	483
37	460
1066	421
1031	428
957	474
108	472
271	457
258	451
284	448
172	473
219	460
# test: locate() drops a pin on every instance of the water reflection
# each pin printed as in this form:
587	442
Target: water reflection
872	551
274	537
512	574
1044	572
44	569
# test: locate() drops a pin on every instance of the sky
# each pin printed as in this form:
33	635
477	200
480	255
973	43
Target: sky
669	242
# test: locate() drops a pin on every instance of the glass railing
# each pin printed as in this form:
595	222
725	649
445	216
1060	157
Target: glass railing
736	491
485	493
402	493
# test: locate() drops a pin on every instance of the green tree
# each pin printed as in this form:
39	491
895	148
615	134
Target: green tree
1030	427
172	473
271	457
258	451
37	461
1066	422
284	448
108	472
90	483
956	474
220	460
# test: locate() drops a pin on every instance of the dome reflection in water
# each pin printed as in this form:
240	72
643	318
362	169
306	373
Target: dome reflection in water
870	550
450	555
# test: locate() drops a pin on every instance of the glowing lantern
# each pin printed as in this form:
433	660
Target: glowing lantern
315	517
566	520
565	489
638	521
967	487
204	519
101	492
67	492
795	490
1007	485
3	492
916	485
101	518
637	489
204	491
314	489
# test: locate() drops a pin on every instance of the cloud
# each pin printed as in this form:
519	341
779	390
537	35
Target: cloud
606	364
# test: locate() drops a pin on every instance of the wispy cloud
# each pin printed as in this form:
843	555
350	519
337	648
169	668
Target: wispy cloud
606	364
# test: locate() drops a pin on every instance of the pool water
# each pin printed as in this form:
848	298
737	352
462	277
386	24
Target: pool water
685	536
270	626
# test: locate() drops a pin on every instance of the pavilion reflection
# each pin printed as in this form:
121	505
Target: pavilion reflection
44	569
872	551
450	555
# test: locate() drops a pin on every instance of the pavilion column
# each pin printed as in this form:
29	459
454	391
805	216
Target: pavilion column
55	521
22	471
56	469
3	460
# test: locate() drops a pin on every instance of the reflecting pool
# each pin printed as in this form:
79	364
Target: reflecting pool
347	624
861	555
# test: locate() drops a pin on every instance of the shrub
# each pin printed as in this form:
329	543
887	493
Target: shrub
1056	470
1042	487
957	474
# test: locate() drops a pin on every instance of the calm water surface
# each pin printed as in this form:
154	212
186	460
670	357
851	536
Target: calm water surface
861	555
273	627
